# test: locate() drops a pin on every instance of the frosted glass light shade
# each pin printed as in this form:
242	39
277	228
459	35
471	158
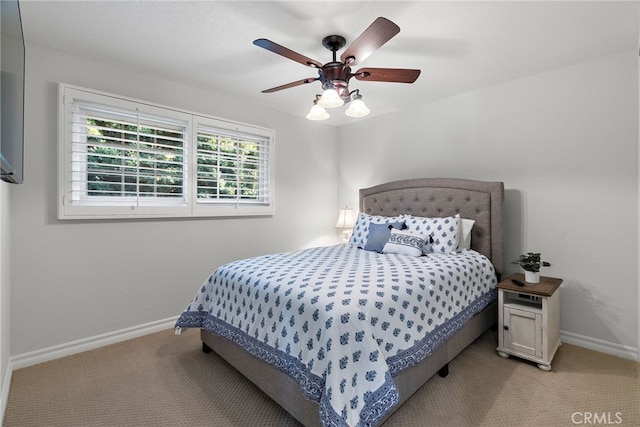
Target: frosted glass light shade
330	99
357	109
317	113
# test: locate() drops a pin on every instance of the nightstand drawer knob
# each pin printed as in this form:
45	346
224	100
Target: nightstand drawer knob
505	327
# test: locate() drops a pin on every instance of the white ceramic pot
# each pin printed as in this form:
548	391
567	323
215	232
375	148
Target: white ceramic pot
531	277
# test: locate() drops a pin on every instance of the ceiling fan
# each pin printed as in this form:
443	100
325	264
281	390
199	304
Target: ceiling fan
335	75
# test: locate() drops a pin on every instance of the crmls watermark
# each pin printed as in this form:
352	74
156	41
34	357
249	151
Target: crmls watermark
596	418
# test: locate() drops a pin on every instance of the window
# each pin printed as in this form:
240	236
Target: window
124	158
232	164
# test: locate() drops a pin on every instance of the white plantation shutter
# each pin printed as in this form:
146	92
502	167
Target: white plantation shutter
123	158
233	165
126	157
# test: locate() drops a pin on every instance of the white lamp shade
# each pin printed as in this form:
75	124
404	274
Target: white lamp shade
317	113
346	219
330	99
357	109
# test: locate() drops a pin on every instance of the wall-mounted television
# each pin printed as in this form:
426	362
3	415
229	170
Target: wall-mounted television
12	53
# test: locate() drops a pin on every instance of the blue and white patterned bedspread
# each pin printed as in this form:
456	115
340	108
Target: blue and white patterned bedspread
343	321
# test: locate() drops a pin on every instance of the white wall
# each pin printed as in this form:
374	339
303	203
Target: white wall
5	296
565	143
78	279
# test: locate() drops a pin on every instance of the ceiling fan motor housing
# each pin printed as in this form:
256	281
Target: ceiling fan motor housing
336	75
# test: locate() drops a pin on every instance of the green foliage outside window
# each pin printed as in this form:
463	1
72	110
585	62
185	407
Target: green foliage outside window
125	160
228	168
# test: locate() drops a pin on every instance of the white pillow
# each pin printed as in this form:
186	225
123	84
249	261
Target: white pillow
443	232
404	242
361	229
464	233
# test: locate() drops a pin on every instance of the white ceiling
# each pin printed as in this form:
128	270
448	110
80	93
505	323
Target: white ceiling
459	46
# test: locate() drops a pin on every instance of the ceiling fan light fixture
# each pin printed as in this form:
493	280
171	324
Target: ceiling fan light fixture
317	113
330	99
357	107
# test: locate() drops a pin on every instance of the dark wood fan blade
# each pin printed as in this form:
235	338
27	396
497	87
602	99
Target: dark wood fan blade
292	84
377	34
393	75
287	53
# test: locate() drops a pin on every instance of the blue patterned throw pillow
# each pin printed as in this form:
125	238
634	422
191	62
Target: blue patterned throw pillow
361	229
405	242
379	235
443	231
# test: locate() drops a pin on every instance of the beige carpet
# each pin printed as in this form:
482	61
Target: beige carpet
166	380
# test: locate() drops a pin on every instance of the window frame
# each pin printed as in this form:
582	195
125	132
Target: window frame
71	207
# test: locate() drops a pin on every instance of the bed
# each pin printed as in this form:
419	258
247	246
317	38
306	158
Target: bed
318	366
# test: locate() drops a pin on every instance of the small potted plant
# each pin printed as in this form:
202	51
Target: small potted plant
531	263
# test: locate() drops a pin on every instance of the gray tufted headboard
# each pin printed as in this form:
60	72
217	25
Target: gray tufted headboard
435	197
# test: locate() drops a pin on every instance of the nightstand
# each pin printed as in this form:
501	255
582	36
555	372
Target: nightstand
529	319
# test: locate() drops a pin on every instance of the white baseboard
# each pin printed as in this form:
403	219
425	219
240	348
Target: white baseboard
67	349
4	393
626	352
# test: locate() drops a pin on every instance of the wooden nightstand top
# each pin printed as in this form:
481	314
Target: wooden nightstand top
546	287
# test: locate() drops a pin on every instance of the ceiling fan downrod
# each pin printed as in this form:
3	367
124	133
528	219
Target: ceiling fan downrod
334	43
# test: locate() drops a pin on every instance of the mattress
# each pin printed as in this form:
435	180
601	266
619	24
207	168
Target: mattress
343	321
